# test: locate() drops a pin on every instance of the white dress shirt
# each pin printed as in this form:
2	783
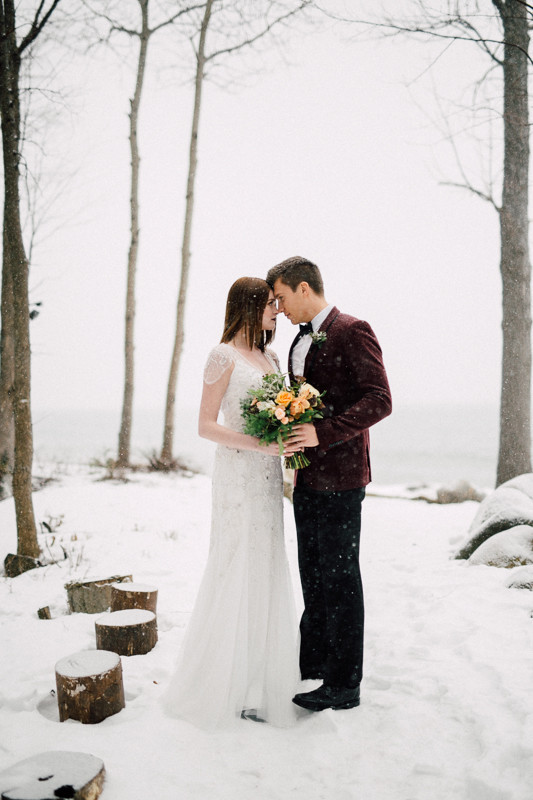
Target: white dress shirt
301	348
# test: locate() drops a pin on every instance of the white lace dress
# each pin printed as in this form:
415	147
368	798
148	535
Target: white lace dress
240	648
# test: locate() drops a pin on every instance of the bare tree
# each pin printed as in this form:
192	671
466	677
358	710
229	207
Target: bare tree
234	29
42	185
114	19
15	262
501	29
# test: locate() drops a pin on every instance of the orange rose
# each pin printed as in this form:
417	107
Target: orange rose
298	406
306	390
284	398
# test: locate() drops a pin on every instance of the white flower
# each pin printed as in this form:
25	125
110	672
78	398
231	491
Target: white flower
264	405
318	337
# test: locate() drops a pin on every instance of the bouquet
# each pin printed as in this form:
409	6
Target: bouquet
272	410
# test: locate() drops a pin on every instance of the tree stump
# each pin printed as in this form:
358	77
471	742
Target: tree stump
131	632
47	776
92	596
44	613
133	595
89	686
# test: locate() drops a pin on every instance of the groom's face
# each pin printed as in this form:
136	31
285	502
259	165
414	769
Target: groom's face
292	303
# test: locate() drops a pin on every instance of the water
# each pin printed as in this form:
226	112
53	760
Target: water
416	445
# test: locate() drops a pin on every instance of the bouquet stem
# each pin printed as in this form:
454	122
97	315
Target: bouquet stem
297	461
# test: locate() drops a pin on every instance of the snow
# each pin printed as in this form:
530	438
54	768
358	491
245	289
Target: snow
87	663
135	587
446	704
126	617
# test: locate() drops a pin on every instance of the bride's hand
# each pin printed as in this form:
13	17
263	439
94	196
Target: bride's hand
269	449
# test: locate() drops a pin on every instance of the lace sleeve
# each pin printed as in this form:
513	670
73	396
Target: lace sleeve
218	361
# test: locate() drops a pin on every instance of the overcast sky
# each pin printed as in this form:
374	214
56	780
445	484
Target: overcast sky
330	156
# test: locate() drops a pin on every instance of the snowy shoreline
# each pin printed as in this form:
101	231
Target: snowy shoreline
447	709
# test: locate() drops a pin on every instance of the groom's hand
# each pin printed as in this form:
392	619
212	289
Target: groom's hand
302	436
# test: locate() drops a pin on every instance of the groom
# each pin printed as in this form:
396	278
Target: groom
344	361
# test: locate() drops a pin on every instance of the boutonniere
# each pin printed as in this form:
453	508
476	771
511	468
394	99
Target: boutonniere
318	337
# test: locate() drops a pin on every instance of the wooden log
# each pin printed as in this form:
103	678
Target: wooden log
92	596
47	776
131	632
89	686
133	595
44	613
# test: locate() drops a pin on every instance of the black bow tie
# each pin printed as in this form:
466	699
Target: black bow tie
306	328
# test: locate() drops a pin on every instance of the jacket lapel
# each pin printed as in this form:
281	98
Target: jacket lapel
313	350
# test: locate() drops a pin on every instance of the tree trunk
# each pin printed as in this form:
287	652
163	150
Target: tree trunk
515	426
168	435
18	268
124	439
7	375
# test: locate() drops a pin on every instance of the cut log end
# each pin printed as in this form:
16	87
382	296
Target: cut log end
55	774
129	632
92	596
89	686
133	595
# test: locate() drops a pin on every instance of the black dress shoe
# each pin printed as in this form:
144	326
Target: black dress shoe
251	713
328	697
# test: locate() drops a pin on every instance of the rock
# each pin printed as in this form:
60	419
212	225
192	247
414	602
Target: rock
15	564
508	506
511	548
522	578
459	492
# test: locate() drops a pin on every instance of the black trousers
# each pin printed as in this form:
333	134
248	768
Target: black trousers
328	525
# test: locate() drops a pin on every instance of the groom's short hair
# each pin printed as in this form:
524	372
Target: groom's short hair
293	271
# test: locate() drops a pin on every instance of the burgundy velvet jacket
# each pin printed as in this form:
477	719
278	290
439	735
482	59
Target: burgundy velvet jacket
348	366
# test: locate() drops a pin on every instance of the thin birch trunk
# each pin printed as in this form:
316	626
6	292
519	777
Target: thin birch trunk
515	411
124	439
168	435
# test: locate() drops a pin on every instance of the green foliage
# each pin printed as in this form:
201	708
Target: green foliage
272	411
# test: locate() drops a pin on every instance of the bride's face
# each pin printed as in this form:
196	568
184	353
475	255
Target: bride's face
270	313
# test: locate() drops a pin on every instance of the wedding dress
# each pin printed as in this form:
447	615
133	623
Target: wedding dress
240	649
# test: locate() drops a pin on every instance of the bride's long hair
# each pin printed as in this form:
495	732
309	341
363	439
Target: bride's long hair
246	302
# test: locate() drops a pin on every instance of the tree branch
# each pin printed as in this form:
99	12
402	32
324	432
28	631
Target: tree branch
37	25
253	39
176	16
477	192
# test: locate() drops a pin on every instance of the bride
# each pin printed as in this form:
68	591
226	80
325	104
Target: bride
239	656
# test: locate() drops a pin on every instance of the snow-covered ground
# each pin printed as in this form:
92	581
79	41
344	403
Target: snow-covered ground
447	700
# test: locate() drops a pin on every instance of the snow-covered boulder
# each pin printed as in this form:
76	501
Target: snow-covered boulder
508	506
522	578
512	548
